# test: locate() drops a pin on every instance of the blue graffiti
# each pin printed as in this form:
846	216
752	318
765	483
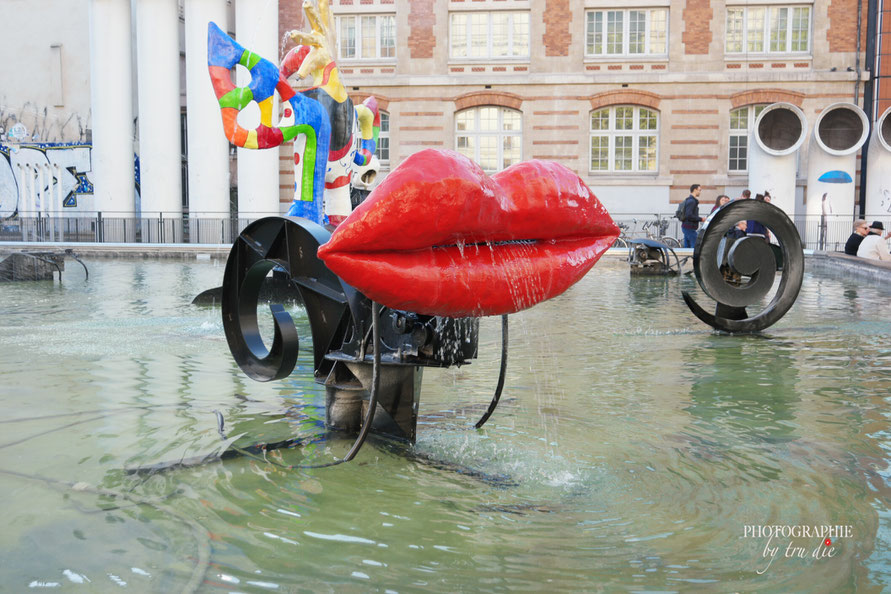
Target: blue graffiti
68	166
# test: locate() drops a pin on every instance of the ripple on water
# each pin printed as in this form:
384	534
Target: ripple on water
631	446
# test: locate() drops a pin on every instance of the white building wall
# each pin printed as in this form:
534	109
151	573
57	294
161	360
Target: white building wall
157	24
111	88
208	151
30	84
256	29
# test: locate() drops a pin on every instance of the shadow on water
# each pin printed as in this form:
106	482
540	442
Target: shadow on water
266	439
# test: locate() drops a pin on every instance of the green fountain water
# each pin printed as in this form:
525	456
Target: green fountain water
632	448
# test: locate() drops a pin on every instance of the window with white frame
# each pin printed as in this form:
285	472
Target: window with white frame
499	34
490	135
635	32
768	29
624	138
742	120
383	140
367	37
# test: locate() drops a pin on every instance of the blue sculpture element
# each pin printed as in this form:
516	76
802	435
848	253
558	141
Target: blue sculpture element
301	115
836	177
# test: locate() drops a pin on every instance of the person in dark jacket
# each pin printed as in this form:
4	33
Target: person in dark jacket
861	229
755	228
738	231
691	216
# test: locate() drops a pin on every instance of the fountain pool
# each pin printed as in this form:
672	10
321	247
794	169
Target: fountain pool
632	448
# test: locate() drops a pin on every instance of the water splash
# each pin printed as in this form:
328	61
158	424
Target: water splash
286	37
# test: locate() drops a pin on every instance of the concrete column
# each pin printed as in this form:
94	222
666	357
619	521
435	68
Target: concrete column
208	150
878	182
840	131
774	142
111	91
256	29
157	39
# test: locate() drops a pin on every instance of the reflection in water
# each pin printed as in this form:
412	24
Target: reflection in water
744	410
631	448
650	291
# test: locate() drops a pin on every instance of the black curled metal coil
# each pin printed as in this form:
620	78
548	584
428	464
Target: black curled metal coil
739	272
286	244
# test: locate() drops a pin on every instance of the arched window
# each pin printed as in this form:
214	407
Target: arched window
490	135
624	138
383	141
742	120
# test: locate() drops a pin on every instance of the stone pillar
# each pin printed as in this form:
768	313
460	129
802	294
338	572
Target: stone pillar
111	91
840	131
208	148
878	182
256	29
774	142
157	39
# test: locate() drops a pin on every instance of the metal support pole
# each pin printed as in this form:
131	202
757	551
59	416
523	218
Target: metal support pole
869	94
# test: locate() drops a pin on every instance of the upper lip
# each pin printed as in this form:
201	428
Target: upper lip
414	243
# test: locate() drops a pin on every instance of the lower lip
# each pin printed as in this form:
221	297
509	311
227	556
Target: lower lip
475	280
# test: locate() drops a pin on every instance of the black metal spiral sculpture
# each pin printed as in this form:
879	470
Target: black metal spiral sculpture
737	273
358	347
290	246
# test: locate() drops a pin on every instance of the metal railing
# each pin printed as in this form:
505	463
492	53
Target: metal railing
100	227
817	232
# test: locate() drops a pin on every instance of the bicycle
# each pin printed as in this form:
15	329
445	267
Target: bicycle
622	240
655	230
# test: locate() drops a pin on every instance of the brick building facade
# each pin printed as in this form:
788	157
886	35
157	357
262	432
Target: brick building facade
640	101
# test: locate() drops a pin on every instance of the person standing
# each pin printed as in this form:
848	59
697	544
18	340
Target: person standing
755	228
861	230
874	246
721	201
737	232
691	218
825	214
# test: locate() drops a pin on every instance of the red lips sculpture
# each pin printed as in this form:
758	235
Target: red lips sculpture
440	237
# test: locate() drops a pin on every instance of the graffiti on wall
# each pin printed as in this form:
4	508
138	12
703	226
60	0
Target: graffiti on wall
67	168
46	125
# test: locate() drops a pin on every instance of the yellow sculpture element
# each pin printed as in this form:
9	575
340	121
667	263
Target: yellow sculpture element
319	63
366	121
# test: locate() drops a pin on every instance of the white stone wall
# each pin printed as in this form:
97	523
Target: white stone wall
46	88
